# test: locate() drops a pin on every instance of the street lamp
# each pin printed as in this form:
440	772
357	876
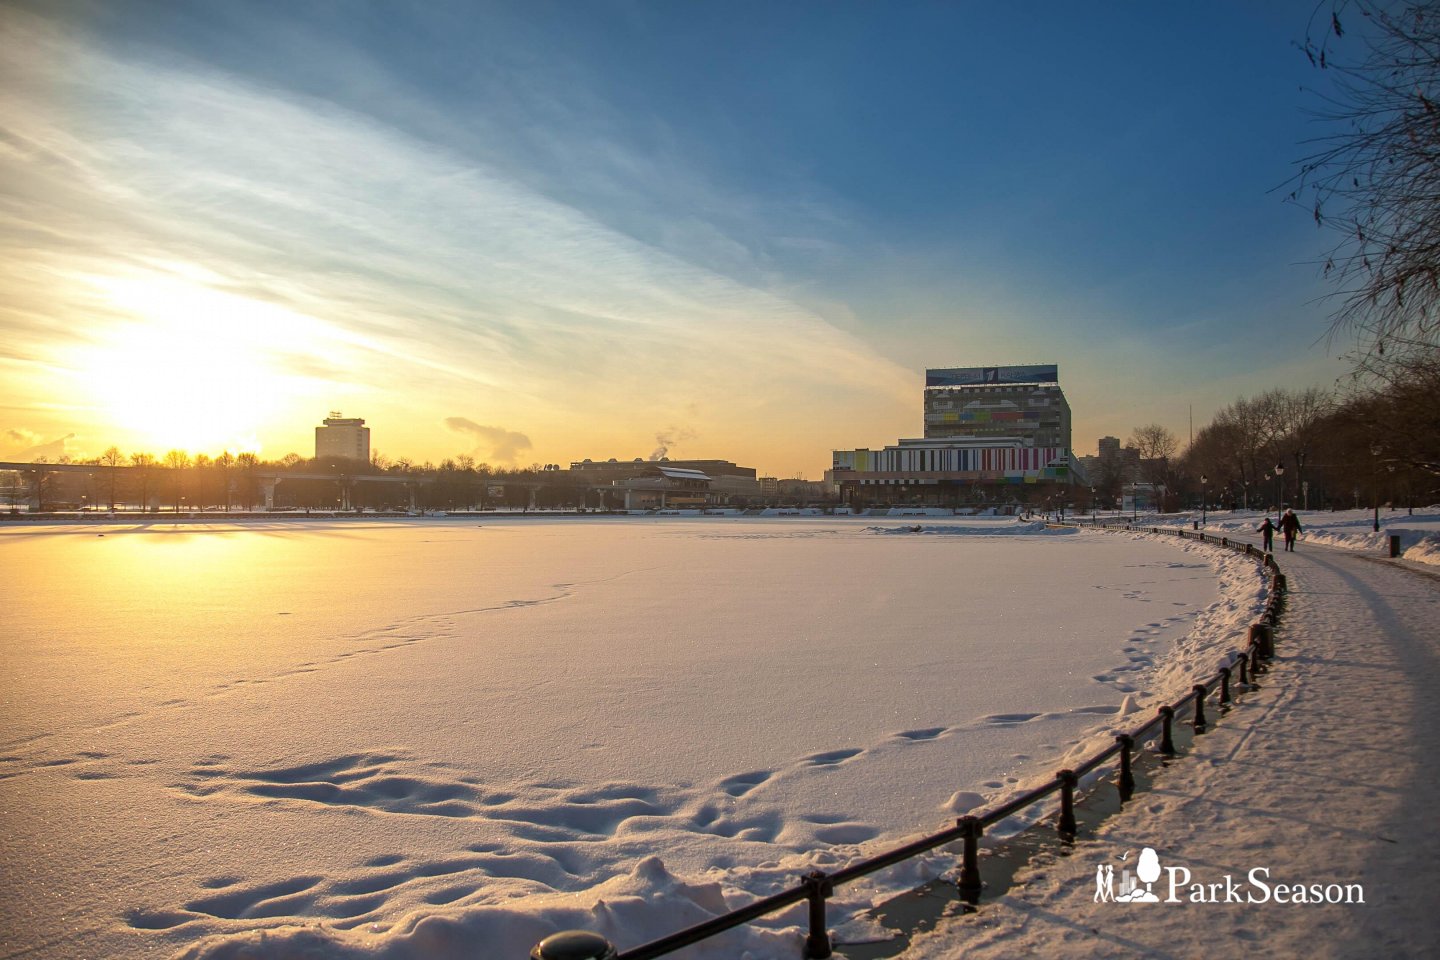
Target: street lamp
1375	449
1245	494
1203	480
1279	496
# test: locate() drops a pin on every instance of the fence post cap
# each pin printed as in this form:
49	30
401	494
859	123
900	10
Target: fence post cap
573	945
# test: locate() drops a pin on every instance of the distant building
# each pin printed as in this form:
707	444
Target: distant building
670	483
342	437
1112	472
987	429
614	469
989	403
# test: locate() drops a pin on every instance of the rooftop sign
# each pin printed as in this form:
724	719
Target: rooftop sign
972	376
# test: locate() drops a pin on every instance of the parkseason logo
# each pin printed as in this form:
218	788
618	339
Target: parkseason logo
1151	882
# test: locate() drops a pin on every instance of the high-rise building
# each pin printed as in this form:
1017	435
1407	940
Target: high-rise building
987	403
985	428
342	437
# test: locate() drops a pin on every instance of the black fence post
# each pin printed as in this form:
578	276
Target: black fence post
817	888
1244	677
573	945
1255	666
1224	685
1066	826
1200	692
970	884
1167	742
1127	778
1263	636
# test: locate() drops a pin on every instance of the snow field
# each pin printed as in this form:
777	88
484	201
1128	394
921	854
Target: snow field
413	739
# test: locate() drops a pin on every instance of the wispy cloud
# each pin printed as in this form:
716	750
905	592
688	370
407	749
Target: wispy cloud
503	445
409	263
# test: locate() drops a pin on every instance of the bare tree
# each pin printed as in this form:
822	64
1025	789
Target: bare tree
1397	407
249	484
143	462
1156	445
200	486
224	464
177	461
1375	181
1303	415
111	459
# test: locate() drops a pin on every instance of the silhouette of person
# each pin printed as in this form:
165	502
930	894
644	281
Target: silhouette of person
1290	526
1267	530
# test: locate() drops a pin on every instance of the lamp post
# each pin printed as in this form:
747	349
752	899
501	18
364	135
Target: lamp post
1203	480
1245	494
1279	495
1375	449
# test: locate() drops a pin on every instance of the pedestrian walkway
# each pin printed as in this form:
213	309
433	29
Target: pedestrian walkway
1327	776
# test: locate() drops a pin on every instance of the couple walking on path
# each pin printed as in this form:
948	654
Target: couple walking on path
1289	525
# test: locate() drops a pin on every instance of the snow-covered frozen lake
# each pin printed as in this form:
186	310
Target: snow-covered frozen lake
440	737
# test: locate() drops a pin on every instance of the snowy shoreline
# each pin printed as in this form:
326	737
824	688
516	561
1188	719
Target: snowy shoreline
1315	780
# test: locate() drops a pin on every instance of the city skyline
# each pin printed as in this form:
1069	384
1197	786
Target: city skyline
541	233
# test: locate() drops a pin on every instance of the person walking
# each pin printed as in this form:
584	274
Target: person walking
1267	530
1290	526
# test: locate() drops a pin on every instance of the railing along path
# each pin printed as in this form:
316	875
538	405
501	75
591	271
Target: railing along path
817	886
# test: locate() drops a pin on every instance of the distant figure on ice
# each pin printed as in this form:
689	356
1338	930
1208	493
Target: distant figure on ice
1267	530
1290	526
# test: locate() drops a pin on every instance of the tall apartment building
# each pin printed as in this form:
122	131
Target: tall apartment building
343	437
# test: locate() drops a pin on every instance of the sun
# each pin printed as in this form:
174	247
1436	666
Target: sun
188	367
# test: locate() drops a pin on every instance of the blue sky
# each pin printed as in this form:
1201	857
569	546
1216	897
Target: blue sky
747	227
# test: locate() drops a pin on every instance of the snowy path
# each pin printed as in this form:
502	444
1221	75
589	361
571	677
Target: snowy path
1326	775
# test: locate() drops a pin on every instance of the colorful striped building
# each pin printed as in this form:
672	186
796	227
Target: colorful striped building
986	428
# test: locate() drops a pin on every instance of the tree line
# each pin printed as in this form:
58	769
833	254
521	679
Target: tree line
1374	441
179	481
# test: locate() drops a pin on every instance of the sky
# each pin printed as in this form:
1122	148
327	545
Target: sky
537	232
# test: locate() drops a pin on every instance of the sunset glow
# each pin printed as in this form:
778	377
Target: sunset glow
204	250
190	371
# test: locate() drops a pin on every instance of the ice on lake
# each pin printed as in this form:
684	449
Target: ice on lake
391	728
